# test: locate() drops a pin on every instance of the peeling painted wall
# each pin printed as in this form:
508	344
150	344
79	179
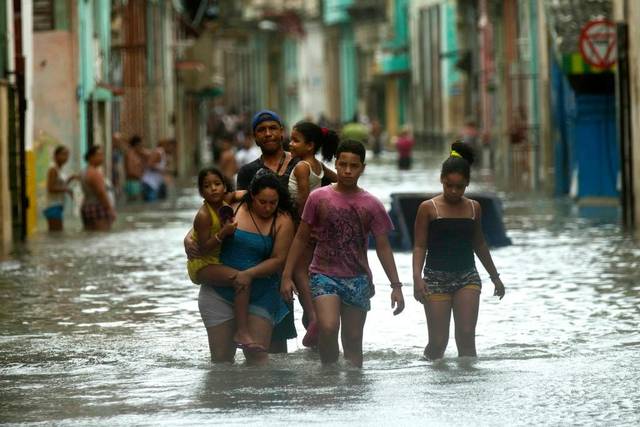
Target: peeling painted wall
55	106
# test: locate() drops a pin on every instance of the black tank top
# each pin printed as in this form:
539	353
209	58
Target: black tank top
450	243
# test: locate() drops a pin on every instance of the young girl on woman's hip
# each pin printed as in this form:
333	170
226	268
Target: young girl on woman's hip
213	223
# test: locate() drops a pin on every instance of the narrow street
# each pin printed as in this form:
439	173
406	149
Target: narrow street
104	329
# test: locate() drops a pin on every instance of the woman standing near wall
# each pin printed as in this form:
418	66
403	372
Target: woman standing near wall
97	209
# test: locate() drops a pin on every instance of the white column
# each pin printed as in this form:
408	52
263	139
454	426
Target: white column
27	51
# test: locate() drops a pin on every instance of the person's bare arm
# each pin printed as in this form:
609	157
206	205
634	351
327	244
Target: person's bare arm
420	232
222	275
202	227
385	255
301	172
482	251
287	287
234	196
190	246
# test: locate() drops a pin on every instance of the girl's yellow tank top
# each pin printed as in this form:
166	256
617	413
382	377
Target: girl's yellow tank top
213	258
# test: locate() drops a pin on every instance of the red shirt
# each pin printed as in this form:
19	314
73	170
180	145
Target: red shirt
404	146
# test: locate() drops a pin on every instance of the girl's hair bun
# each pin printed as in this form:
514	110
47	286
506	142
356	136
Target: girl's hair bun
463	150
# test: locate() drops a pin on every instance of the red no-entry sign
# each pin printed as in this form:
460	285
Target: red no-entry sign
598	43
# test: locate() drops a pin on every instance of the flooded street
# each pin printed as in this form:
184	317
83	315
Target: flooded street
104	329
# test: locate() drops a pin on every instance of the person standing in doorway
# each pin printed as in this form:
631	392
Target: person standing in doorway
153	184
377	138
97	209
57	188
135	159
117	163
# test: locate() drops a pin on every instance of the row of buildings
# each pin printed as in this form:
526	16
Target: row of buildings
553	86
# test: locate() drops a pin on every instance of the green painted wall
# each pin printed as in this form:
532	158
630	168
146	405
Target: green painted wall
535	104
450	74
3	42
348	74
335	11
94	20
401	22
395	57
61	15
290	72
259	47
404	99
85	70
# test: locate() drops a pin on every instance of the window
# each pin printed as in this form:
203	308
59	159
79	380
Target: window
43	15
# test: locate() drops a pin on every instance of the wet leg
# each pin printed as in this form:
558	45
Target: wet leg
465	317
55	224
221	343
102	225
352	331
260	329
241	314
301	279
438	317
328	315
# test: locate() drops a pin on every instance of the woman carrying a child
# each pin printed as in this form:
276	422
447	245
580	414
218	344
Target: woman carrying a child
254	254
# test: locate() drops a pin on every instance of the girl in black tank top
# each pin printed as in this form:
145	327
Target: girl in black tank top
447	235
450	241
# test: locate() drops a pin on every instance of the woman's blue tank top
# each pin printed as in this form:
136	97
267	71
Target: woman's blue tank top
242	251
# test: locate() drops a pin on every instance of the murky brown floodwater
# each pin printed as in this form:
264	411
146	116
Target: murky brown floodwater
102	329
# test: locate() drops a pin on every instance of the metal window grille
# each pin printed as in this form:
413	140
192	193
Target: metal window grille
43	15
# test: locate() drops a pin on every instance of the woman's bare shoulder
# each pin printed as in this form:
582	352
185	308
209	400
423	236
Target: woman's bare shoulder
427	205
93	174
284	219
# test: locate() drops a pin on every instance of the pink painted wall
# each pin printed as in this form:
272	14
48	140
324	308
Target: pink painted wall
54	102
54	88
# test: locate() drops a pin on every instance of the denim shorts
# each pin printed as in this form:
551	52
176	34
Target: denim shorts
353	291
54	212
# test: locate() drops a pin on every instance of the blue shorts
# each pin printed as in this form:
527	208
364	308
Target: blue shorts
54	212
353	291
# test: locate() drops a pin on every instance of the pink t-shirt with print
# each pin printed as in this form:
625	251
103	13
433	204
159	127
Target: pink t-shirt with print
341	224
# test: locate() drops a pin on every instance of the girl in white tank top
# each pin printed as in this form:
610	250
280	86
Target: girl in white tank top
306	140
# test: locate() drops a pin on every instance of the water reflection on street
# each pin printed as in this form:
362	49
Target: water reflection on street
104	329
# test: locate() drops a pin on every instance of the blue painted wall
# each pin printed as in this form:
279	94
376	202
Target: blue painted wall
559	85
587	159
594	148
